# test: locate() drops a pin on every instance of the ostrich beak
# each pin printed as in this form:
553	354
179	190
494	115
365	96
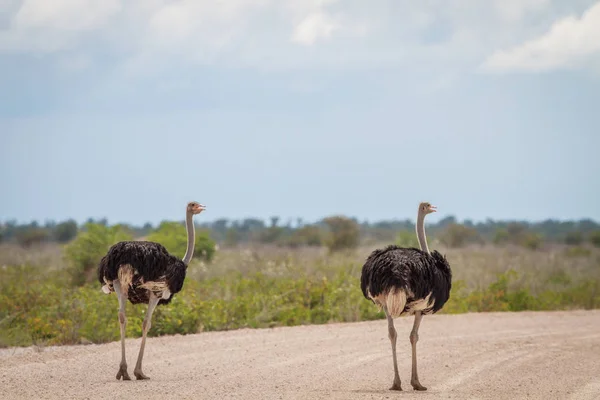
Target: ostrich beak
433	208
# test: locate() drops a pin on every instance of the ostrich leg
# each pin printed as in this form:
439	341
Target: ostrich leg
414	338
393	335
122	296
145	328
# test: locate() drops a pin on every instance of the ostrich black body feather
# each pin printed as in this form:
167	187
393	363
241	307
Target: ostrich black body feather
412	270
150	261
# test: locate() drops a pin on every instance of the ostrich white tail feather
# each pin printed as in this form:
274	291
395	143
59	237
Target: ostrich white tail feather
125	276
395	301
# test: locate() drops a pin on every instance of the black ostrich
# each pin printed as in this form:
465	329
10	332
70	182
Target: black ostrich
405	281
145	272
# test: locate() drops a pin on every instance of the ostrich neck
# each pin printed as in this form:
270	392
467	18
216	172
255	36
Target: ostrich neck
421	233
189	225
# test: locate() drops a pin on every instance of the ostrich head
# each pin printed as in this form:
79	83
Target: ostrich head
194	207
426	208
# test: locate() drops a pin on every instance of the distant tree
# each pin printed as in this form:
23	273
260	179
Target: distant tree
27	237
274	221
220	230
308	235
65	231
457	235
531	240
574	238
146	229
271	234
232	237
594	238
343	233
447	221
501	236
515	229
9	230
519	234
250	225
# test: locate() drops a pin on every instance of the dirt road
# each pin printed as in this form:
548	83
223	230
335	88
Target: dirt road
549	355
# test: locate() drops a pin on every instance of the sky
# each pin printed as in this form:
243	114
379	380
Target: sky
128	109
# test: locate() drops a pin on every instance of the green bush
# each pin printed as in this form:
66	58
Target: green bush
595	238
457	235
65	231
173	236
271	287
407	239
505	294
308	235
574	238
343	233
84	253
501	236
531	241
36	307
29	236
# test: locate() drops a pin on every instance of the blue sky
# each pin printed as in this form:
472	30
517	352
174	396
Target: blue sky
129	109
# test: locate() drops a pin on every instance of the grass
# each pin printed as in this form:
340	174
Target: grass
263	287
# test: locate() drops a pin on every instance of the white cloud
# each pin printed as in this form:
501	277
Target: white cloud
143	37
516	10
69	15
570	43
312	21
314	26
48	26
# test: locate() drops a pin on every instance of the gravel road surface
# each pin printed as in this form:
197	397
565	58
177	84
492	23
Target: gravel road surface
527	355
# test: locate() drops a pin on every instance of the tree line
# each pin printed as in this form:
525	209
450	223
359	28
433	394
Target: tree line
335	232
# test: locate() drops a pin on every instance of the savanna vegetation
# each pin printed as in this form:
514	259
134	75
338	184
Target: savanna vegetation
255	274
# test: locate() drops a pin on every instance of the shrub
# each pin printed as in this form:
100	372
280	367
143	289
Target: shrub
173	236
456	235
84	253
595	238
574	238
29	236
501	236
38	307
308	235
65	231
407	239
343	233
531	241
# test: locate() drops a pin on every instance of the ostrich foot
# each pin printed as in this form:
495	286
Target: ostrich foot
123	373
417	386
140	375
396	386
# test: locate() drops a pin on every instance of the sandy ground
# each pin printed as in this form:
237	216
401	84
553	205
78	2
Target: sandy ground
544	355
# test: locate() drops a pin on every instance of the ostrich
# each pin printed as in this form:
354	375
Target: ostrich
405	281
145	272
